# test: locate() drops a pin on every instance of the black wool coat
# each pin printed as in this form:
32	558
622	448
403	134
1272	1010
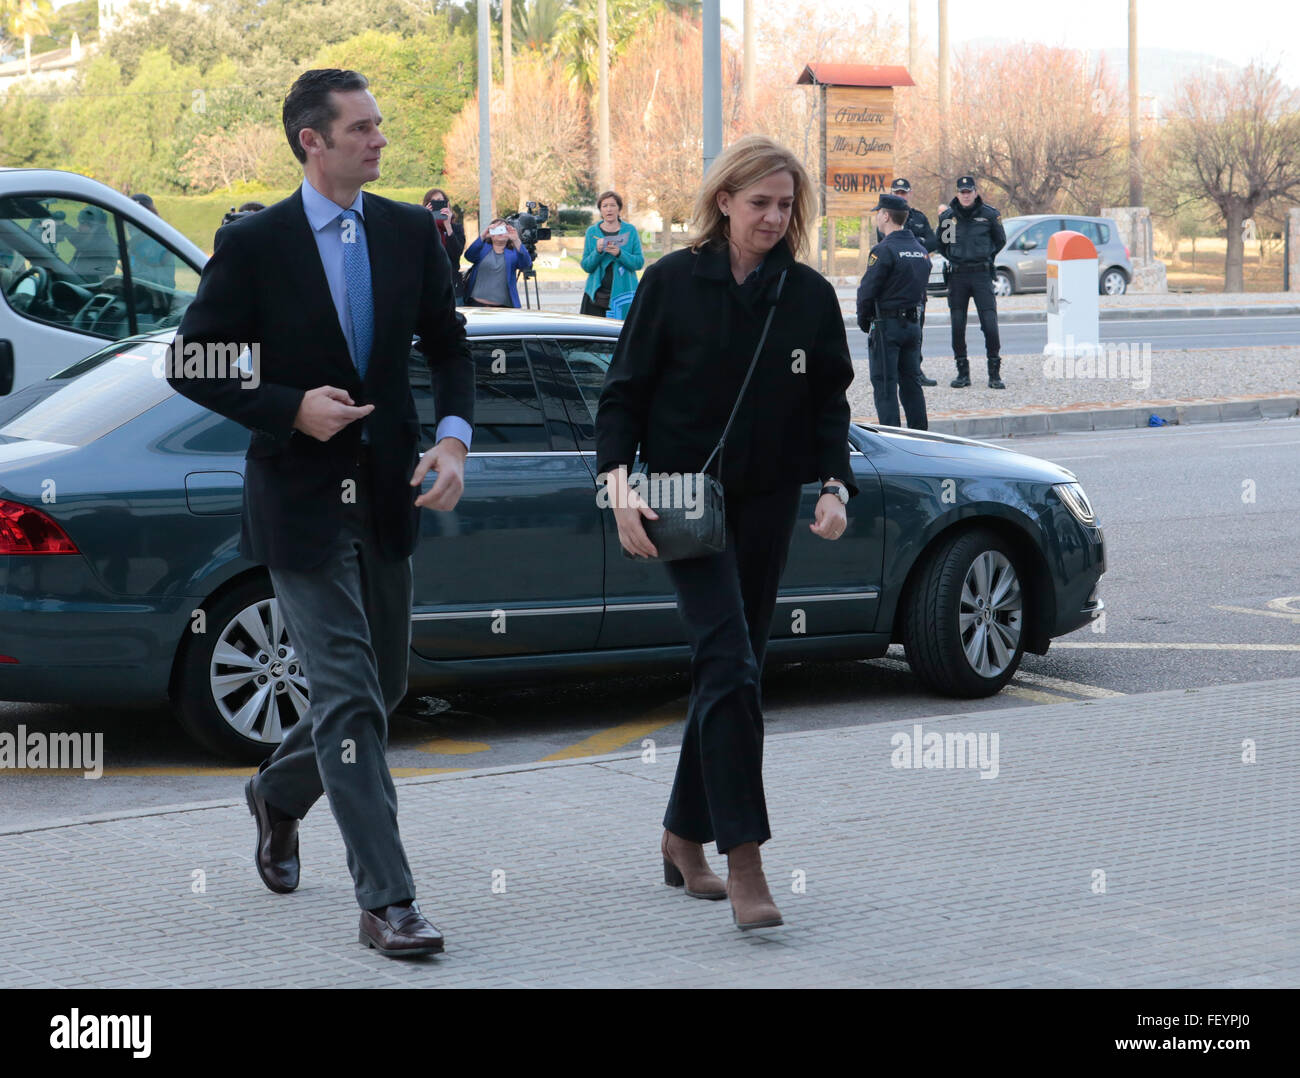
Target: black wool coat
686	344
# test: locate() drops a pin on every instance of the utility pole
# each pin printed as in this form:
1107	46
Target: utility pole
604	165
913	39
748	77
1134	134
507	58
484	115
945	165
712	81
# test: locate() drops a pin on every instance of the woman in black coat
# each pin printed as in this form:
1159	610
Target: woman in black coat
686	345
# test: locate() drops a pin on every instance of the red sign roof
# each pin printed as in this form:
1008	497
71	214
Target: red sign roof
854	75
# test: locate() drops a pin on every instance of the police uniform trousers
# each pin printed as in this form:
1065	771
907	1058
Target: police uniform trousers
895	363
726	603
350	622
963	286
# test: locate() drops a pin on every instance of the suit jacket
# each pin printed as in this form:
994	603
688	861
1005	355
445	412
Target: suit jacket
686	344
265	285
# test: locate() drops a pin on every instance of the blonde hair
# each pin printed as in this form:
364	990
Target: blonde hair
740	165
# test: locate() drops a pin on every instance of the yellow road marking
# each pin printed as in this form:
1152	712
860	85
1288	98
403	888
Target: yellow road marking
1076	687
617	736
446	746
1182	647
1034	694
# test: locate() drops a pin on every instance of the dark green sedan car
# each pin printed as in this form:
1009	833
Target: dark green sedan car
121	579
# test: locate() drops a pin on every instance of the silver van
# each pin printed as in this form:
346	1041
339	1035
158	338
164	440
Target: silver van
1021	266
81	265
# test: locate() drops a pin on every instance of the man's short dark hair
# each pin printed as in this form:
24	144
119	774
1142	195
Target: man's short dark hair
899	217
308	103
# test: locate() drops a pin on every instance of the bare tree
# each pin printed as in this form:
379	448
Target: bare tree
1235	142
656	122
541	140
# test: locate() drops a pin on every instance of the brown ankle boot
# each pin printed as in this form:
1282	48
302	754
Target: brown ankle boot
684	864
751	902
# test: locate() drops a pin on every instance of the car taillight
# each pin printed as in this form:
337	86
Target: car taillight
24	530
1127	254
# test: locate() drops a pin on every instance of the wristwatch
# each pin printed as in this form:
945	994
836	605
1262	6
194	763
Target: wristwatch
834	486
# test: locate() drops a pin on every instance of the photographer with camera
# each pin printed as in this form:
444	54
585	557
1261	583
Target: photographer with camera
450	231
498	256
611	256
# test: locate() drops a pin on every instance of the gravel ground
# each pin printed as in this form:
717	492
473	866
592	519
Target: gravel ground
1175	375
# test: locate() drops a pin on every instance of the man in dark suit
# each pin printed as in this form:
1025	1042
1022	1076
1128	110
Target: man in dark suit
327	288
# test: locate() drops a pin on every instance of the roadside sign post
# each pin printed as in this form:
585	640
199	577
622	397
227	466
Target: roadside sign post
1073	311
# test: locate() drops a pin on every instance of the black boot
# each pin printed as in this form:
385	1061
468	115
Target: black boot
963	374
924	380
995	369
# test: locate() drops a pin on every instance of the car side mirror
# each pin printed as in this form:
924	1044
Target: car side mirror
1028	245
6	367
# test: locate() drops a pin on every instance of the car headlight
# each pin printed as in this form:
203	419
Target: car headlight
1075	500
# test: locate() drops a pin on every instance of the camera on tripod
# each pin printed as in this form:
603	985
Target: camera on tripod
529	226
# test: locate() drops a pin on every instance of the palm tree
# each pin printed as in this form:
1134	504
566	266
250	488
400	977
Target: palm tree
575	39
26	19
535	22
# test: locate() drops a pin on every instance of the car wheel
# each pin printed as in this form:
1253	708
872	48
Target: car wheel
241	685
1002	284
1114	283
963	626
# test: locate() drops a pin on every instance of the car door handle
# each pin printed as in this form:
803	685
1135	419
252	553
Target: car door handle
6	367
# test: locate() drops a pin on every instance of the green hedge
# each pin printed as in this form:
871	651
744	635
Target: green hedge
199	216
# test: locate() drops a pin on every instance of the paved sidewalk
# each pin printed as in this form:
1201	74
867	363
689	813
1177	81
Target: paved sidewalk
913	877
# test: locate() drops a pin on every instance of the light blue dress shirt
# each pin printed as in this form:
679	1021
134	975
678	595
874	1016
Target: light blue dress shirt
323	216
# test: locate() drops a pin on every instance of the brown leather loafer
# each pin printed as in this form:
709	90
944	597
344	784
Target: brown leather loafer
400	932
276	855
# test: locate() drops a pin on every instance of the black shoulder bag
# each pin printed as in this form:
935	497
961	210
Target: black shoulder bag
682	533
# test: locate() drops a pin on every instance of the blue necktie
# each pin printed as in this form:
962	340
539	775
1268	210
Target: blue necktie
356	272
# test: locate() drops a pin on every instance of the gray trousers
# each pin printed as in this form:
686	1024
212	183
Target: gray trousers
350	623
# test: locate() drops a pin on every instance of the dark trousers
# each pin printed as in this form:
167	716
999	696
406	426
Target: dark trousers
895	351
726	603
963	286
589	306
349	621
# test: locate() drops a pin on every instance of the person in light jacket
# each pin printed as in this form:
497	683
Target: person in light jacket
496	258
611	256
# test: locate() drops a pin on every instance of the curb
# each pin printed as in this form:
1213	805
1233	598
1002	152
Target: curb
1127	417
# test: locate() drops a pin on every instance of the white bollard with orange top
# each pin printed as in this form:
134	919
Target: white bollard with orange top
1073	313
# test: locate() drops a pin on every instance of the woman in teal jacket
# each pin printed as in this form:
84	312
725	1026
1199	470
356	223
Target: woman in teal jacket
611	257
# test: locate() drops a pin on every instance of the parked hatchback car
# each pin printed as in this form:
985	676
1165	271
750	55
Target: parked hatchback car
121	579
82	264
1021	266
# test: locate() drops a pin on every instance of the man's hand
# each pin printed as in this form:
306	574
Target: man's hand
830	518
326	410
447	460
629	507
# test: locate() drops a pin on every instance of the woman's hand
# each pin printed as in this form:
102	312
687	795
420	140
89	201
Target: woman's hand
600	245
512	236
830	519
629	508
485	237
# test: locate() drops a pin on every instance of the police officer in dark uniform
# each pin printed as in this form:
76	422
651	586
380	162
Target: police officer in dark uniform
891	299
919	225
970	234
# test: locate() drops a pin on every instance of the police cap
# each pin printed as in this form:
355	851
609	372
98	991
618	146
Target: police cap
900	184
965	183
890	202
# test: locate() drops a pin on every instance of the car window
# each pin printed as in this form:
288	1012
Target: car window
163	284
588	360
60	263
508	414
112	391
1094	230
1042	232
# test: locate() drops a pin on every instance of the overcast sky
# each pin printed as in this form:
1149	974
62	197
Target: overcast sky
1238	30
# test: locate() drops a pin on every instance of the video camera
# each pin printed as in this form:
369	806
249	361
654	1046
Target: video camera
529	225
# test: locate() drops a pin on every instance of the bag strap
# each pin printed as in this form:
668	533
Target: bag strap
762	340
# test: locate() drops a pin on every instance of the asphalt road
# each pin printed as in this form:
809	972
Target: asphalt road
1202	588
1241	331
